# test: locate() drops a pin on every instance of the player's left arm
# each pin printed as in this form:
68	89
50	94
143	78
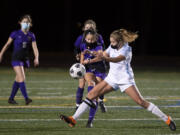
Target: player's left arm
114	59
36	53
96	59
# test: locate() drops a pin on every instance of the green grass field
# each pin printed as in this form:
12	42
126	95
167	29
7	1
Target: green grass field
53	92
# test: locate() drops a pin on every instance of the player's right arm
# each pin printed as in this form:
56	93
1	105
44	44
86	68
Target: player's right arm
5	47
105	54
114	59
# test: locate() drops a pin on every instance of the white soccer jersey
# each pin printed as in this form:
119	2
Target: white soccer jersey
121	72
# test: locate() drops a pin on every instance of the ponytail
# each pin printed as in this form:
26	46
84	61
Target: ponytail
124	35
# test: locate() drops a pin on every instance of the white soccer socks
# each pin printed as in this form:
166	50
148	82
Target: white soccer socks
83	107
156	111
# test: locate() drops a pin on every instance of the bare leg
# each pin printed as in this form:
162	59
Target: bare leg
99	89
93	94
20	75
82	82
133	92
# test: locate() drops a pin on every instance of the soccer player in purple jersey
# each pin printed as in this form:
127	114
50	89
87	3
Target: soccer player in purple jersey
89	24
22	39
95	69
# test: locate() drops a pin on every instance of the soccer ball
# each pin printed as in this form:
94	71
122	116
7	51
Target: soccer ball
77	71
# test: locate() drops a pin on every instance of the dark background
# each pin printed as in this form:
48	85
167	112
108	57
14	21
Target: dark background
57	23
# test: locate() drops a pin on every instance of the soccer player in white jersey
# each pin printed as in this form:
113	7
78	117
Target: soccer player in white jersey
120	76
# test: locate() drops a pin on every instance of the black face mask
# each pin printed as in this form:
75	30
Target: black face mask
91	45
114	47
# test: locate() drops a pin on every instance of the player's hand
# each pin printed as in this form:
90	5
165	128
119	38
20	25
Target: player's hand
94	53
87	51
85	62
100	55
36	62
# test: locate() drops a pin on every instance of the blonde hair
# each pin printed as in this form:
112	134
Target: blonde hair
91	22
124	35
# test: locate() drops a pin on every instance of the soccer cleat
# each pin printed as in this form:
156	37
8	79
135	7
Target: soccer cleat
89	124
69	120
103	107
171	124
12	101
28	101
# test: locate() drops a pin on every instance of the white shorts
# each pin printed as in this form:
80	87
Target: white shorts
117	86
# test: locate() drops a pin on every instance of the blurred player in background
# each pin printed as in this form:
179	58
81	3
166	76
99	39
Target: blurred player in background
95	68
120	76
23	39
88	24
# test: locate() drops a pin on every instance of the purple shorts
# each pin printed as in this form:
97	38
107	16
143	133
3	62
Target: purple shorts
96	73
25	64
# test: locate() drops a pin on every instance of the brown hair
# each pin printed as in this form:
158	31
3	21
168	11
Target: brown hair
91	32
124	35
28	17
90	22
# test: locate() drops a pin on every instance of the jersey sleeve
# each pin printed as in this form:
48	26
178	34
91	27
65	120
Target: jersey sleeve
33	37
78	42
125	51
13	35
99	48
82	47
100	40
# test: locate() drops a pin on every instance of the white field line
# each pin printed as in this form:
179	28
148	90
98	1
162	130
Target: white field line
57	88
138	80
74	81
174	88
63	88
46	81
29	120
42	97
169	98
70	106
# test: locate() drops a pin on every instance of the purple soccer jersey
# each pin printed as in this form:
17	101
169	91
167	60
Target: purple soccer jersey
79	41
89	56
22	42
97	68
20	39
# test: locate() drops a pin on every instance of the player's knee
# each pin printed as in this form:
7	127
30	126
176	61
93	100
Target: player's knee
90	95
91	83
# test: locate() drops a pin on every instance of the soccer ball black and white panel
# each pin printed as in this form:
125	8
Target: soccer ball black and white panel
77	71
